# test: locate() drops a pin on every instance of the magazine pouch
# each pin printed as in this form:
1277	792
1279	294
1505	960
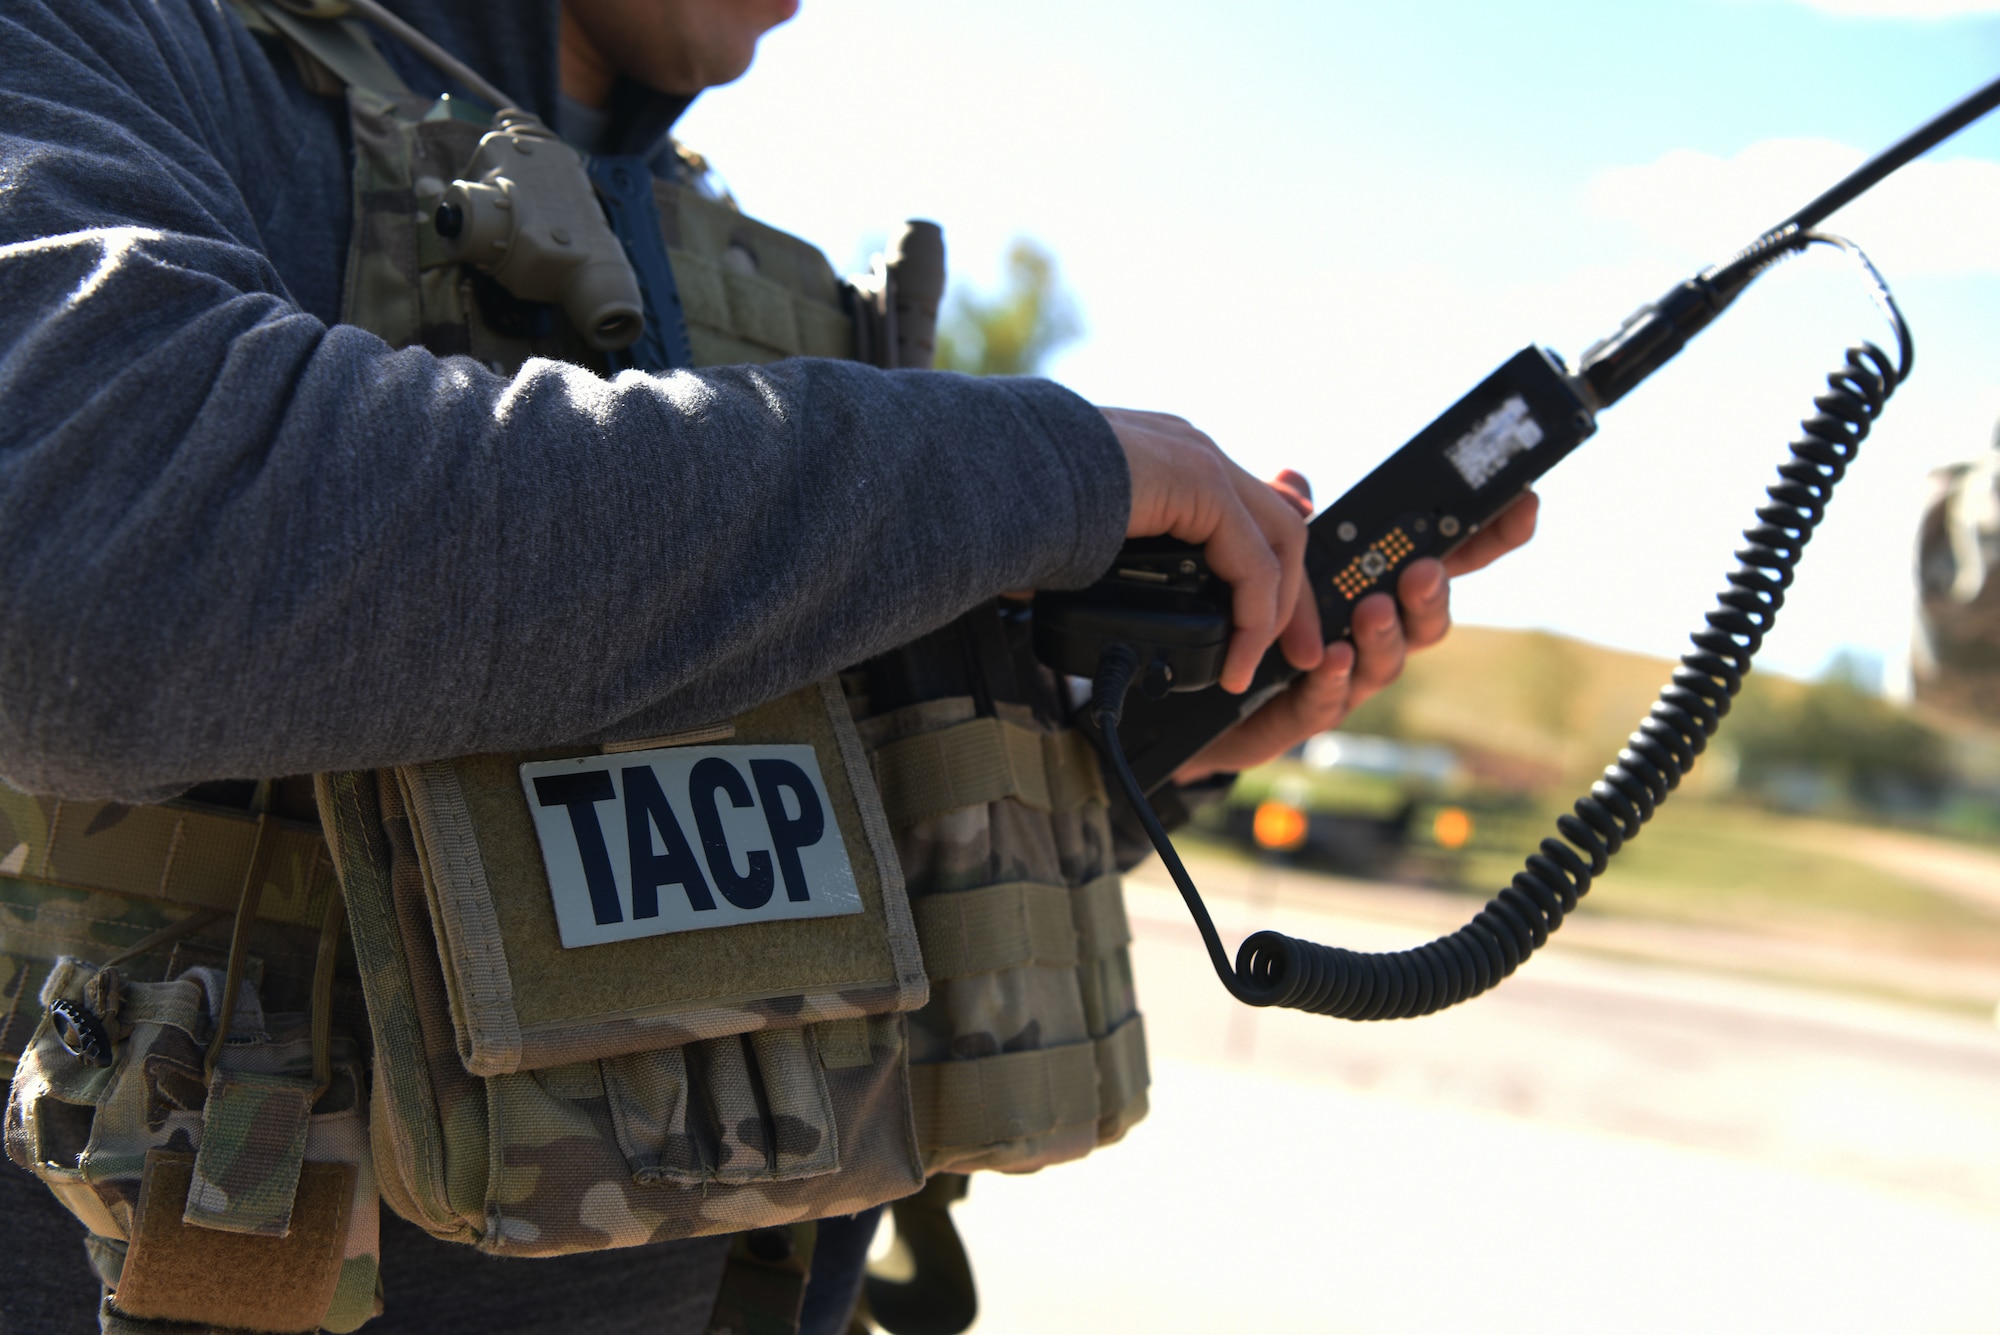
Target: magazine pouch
222	1186
651	991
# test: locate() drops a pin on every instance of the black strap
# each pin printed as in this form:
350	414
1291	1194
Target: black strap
764	1281
940	1297
625	186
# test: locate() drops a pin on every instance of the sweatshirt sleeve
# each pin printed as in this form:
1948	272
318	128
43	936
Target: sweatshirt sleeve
238	541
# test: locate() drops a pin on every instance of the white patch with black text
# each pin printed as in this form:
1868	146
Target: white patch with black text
1482	452
687	837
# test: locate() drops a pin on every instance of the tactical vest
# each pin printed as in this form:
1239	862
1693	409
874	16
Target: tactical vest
974	1008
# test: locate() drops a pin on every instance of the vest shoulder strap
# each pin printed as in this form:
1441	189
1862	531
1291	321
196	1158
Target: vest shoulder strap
342	46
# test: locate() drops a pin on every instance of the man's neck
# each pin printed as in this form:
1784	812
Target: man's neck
587	76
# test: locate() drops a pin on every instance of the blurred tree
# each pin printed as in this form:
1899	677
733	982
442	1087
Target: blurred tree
1874	752
1014	331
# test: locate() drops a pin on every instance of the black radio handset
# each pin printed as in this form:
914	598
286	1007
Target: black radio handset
1424	500
1161	618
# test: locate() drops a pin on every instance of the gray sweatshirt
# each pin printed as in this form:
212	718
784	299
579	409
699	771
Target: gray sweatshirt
238	539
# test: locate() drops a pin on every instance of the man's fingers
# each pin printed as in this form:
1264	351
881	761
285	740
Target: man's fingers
1312	704
1284	530
1378	646
1301	639
1255	536
1258	546
1254	532
1315	702
1507	530
1292	485
1425	595
1239	552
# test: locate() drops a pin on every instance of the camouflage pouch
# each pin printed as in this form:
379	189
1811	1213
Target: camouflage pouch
568	1056
1032	1050
238	1193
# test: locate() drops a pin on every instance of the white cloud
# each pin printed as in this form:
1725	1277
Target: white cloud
1929	218
1904	9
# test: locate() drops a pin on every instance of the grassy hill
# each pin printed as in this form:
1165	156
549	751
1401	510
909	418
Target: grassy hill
1537	716
1529	709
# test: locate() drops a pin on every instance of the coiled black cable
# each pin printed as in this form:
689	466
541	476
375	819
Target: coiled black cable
1273	969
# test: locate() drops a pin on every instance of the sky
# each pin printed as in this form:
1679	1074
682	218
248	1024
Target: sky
1310	227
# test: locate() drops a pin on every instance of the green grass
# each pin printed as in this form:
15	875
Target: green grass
1734	866
1538	714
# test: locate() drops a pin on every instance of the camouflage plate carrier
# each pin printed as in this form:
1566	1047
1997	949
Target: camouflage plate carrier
198	1140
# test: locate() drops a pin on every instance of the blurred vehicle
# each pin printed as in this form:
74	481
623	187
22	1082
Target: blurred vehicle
1348	802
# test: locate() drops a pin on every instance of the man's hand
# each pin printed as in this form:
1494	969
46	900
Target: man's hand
1347	673
1255	534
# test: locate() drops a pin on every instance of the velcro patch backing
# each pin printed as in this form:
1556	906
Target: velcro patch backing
178	1272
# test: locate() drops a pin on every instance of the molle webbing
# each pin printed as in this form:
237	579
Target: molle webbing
985	760
1016	1095
751	293
175	855
1031	1051
1016	923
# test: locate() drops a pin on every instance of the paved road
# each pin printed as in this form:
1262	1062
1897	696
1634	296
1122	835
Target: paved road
1600	1145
